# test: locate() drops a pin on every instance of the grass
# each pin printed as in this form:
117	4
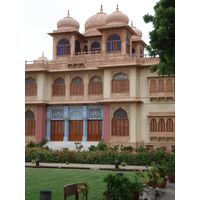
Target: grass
37	179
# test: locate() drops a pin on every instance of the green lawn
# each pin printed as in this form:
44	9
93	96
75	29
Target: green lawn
37	179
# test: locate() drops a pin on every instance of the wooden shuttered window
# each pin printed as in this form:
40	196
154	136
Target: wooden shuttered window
95	85
153	86
58	88
169	85
77	87
161	86
94	130
169	125
153	126
120	86
120	127
120	83
120	123
57	130
29	123
75	130
30	87
161	125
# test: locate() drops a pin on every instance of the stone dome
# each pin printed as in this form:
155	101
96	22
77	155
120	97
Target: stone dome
42	59
137	31
94	22
117	18
68	23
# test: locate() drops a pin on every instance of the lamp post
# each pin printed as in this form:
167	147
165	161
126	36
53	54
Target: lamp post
45	194
37	161
116	163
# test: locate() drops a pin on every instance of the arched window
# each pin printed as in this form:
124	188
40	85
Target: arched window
153	125
169	125
127	45
120	83
58	88
141	53
161	87
133	52
161	125
77	47
153	86
85	49
113	43
30	87
120	123
95	48
76	87
169	85
95	85
29	123
63	47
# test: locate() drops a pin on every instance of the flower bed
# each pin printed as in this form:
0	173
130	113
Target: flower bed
98	157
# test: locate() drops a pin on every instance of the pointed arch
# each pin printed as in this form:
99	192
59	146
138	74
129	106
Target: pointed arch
169	125
161	125
95	85
114	43
29	123
169	85
58	88
30	87
161	86
63	47
95	48
120	123
153	125
153	86
76	86
120	83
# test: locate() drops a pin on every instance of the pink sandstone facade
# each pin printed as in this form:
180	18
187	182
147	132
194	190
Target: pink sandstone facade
99	86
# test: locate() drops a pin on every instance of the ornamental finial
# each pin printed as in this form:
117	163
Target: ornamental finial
117	8
101	10
68	13
131	23
43	54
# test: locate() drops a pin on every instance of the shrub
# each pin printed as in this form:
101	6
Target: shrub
102	145
93	148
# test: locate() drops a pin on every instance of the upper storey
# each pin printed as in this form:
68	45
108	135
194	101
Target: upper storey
107	41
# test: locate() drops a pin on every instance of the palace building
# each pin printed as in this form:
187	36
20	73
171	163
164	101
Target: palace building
99	86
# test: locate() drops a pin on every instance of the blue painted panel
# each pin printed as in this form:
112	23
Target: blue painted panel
75	112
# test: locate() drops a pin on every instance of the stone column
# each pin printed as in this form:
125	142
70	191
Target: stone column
48	133
66	127
106	123
40	123
85	121
48	124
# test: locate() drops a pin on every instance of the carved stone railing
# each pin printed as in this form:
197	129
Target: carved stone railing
85	60
159	135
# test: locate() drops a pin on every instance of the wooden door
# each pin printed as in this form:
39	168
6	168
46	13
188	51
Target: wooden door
94	130
75	130
57	130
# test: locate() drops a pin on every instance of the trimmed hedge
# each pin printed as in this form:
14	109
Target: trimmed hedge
98	157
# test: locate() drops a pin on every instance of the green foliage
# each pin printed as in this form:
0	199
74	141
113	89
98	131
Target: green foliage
98	157
102	145
93	148
162	38
78	145
32	144
117	187
140	149
127	148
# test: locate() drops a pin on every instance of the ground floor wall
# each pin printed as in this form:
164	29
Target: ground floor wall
123	124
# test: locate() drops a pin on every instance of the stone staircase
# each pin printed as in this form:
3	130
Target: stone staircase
70	145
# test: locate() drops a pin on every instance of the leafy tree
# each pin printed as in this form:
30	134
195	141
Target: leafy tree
162	38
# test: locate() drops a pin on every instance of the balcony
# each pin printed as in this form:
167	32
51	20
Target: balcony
159	135
83	61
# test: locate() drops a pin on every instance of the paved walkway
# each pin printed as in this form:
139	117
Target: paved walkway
167	193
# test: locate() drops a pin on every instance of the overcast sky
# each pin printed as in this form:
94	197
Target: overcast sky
41	17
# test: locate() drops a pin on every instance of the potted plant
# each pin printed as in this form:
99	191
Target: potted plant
33	161
67	163
152	177
171	171
137	186
123	164
117	187
162	171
